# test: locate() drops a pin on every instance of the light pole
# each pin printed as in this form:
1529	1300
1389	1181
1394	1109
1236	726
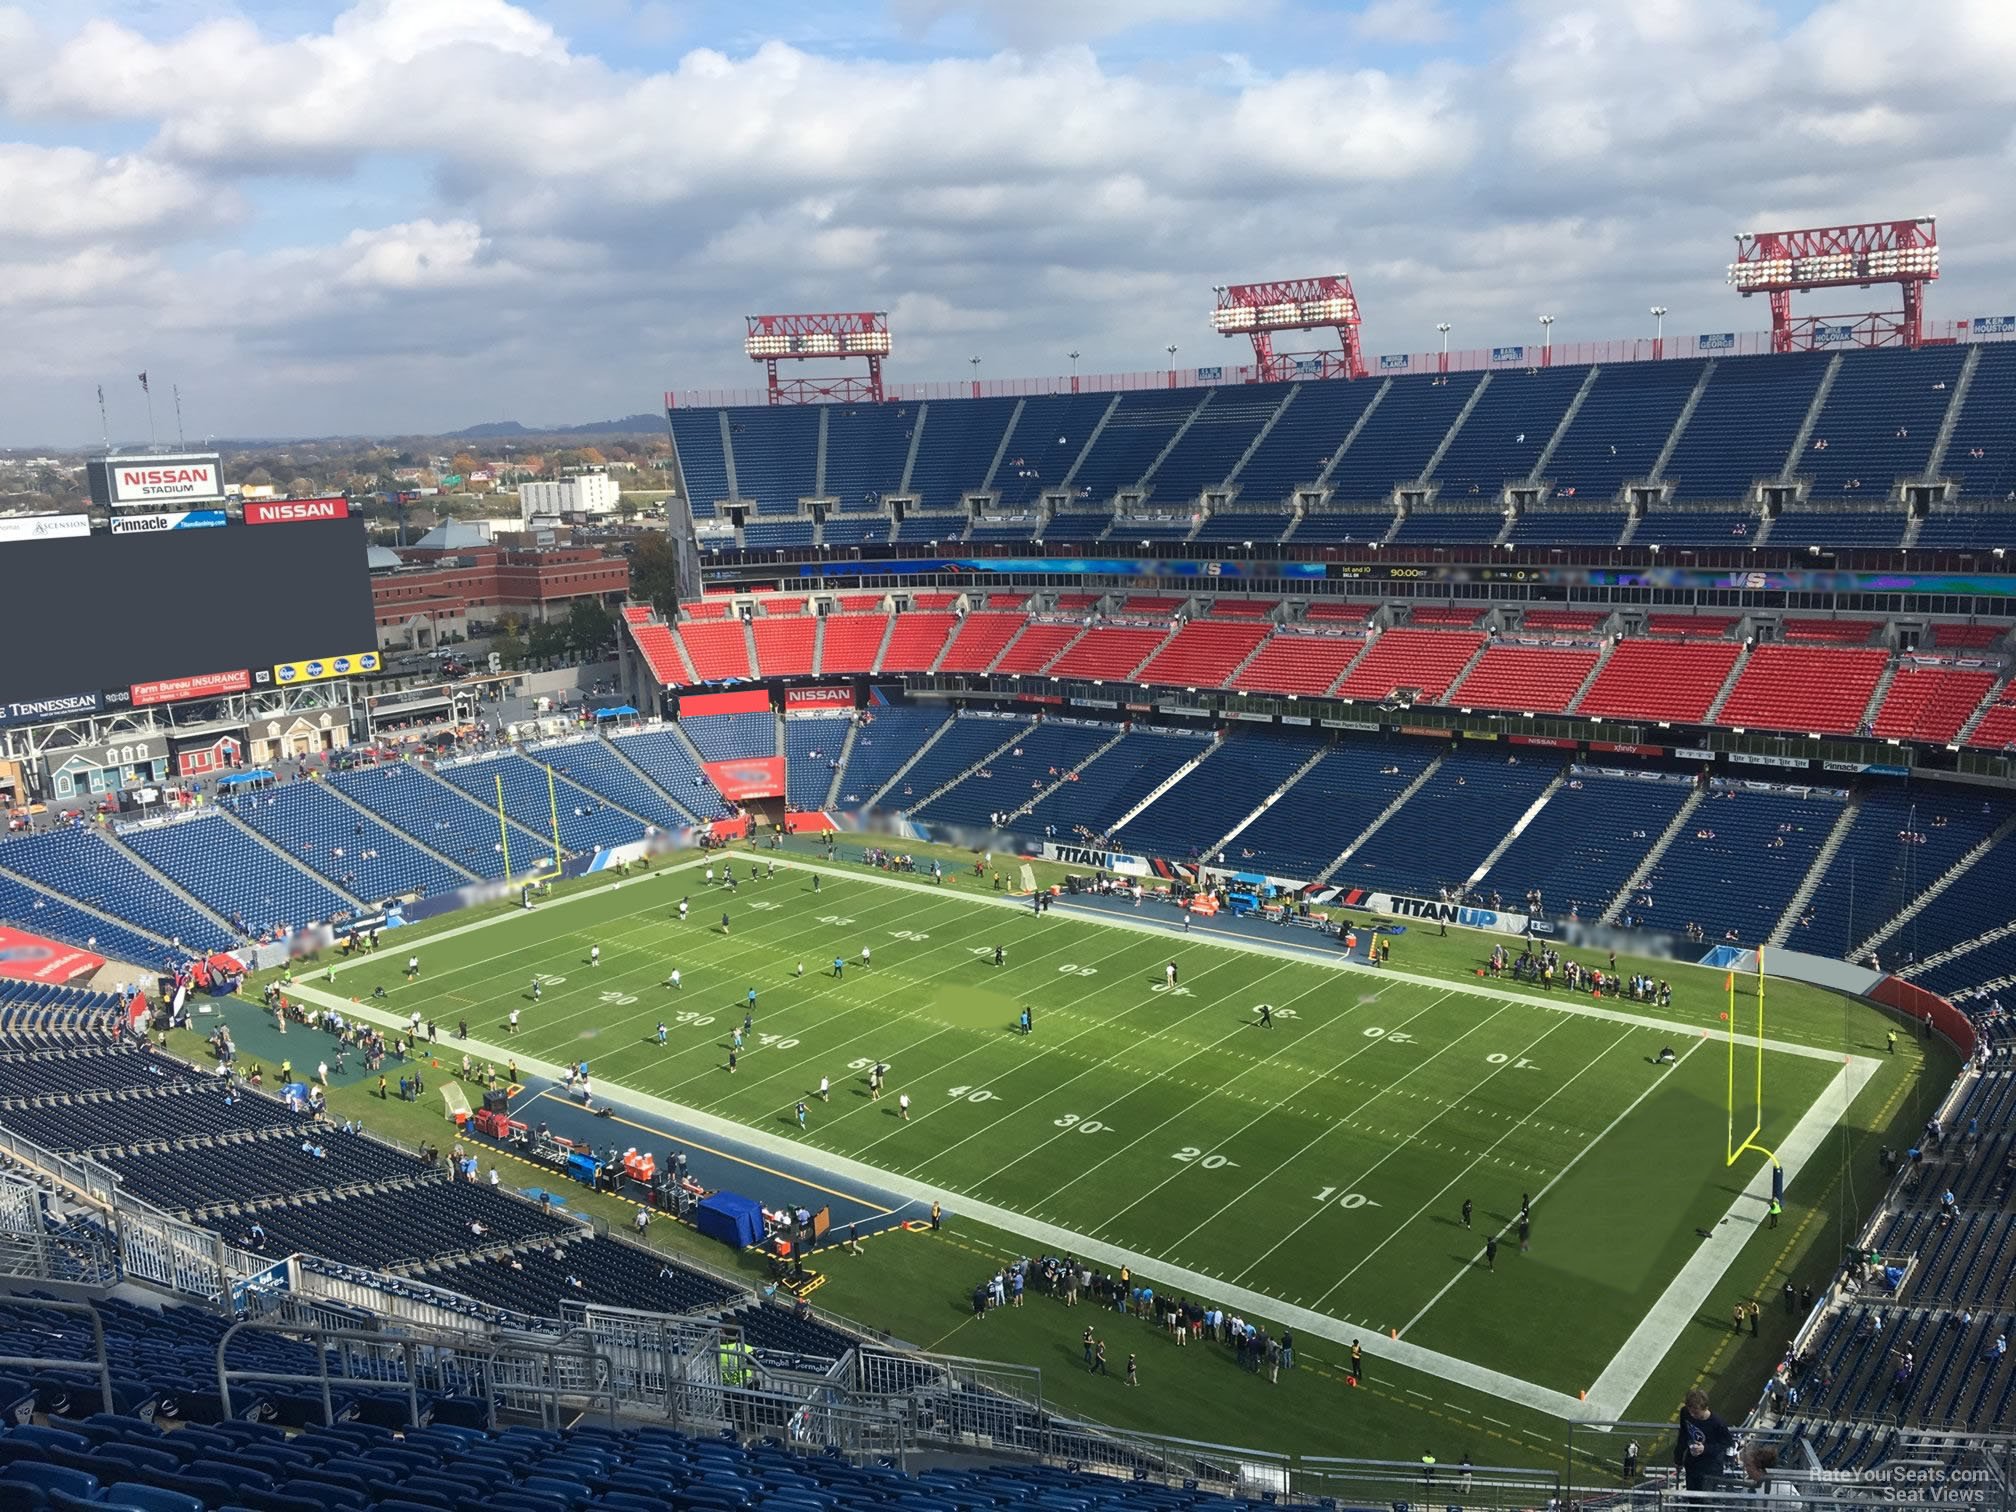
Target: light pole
1443	365
1073	354
1547	341
1658	331
976	375
1171	350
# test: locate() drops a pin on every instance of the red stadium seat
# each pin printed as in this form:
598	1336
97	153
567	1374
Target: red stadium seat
1809	688
1424	659
1531	679
1649	679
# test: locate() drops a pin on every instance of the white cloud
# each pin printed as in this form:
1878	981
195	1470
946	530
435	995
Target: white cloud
473	214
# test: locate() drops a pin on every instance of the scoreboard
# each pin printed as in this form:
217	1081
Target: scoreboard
102	621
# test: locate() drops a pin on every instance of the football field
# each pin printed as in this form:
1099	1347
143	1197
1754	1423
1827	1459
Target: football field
1323	1162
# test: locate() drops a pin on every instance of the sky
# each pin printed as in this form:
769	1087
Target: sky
406	216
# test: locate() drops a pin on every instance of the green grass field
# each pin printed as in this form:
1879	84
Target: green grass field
1321	1163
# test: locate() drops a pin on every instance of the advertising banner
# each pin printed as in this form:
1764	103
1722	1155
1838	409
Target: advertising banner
1994	325
748	701
1432	911
154	524
44	527
1715	341
69	706
1508	354
1824	335
1097	860
141	481
287	674
203	685
798	700
747	777
30	958
1390	363
1210	374
293	511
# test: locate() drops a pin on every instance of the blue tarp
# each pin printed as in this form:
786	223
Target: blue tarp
236	778
621	711
733	1219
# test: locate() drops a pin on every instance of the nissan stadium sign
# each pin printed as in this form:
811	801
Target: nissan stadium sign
157	482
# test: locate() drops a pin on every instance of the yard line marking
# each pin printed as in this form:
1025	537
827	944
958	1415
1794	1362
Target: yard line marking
1363	1046
1490	1075
1573	1161
1403	1226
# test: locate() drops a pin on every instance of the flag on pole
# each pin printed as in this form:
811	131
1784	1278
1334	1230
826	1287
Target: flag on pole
1729	982
101	394
143	385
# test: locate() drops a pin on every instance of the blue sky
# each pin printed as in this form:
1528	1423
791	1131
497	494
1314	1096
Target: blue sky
409	215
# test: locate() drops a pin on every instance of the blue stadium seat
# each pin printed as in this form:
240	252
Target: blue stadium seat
352	849
667	760
241	878
80	864
587	820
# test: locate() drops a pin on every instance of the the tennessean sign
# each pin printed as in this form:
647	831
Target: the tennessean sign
29	710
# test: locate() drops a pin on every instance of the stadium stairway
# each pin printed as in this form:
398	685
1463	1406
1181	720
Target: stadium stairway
655	785
840	765
875	798
1421	780
1821	861
164	880
336	887
1651	858
1266	803
1217	740
1017	729
1714	714
1939	885
1519	827
1119	734
411	839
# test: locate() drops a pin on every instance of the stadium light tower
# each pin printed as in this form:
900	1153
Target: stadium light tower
1658	332
1293	304
825	338
1443	327
1780	263
1547	341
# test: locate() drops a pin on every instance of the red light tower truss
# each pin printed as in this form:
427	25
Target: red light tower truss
826	338
1294	304
1782	263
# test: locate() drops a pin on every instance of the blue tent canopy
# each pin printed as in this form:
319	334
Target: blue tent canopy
237	778
621	711
733	1219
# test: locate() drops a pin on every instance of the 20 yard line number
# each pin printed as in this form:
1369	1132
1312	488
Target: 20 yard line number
1204	1160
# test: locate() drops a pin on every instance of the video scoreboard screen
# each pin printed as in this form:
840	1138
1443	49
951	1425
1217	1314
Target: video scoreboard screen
96	621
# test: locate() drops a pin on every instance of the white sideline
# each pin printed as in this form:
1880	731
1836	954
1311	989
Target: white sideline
1620	1380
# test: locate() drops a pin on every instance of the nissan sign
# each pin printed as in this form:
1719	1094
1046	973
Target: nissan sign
154	524
136	482
292	511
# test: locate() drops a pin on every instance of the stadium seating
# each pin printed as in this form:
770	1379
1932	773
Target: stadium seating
594	765
784	644
1036	646
1302	664
182	1179
1501	441
856	530
696	438
1617	435
1140	425
538	1282
917	639
852	642
1804	688
725	737
1014	777
1336	525
660	649
970	738
1217	438
1203	653
1244	608
866	445
887	738
1298	448
239	876
1997	729
1548	525
432	812
1901	841
1230	526
812	751
1966	529
1457	616
717	650
1585	842
1330	612
1649	679
776	450
1684	526
1830	631
958	446
1969	637
1226	786
1982	454
1529	678
1426	659
1931	703
1102	793
1766	838
532	800
1832	529
1742	429
77	863
1568	621
979	639
776	534
43	913
1443	833
1878	424
349	847
1399	437
1108	652
1328	808
1692	626
667	759
1440	525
